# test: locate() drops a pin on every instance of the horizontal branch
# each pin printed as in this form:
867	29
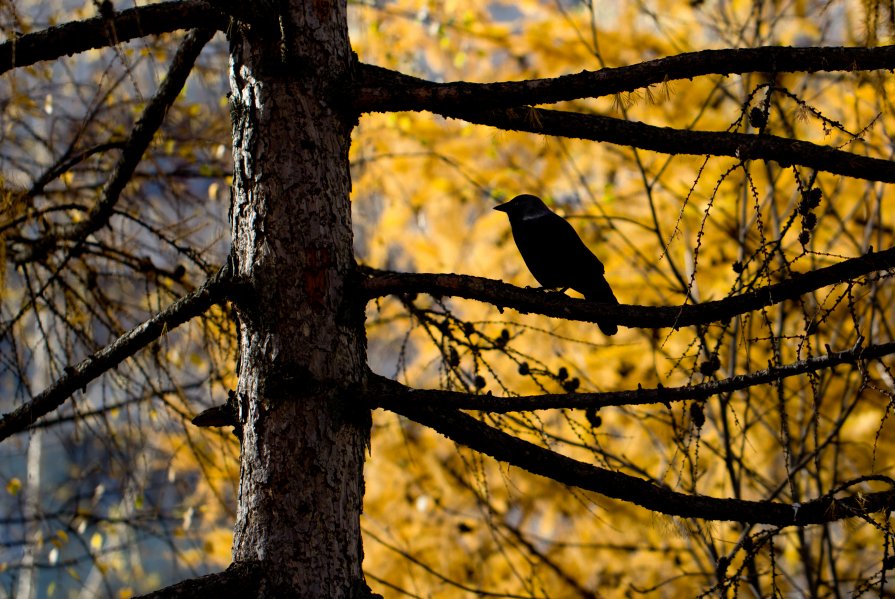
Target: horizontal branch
100	32
76	377
509	105
666	140
397	396
467	431
383	90
376	283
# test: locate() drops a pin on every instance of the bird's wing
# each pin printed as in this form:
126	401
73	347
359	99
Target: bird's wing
556	256
577	266
567	244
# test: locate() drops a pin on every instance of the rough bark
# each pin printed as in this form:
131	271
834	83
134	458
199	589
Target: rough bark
302	344
239	581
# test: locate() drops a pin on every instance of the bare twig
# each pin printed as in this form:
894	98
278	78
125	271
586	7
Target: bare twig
76	377
132	152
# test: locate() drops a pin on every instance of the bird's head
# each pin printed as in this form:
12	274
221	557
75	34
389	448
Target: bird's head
523	207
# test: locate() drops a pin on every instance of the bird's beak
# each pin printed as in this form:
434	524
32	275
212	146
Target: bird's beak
502	207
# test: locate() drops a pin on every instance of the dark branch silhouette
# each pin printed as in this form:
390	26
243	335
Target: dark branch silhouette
100	32
375	283
466	430
509	105
76	377
241	579
742	146
384	90
397	396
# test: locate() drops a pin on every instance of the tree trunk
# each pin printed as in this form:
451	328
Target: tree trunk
302	344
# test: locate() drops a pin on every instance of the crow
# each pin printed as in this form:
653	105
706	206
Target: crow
554	253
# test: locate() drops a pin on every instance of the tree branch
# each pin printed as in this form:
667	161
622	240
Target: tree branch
76	377
133	150
376	283
666	140
478	436
509	105
100	32
240	579
396	397
384	90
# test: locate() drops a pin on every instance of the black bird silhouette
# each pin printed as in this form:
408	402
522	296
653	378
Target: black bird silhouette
554	253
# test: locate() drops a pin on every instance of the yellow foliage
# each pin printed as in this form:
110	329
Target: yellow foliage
215	549
13	486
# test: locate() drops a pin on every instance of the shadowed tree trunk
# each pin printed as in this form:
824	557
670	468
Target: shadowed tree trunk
302	347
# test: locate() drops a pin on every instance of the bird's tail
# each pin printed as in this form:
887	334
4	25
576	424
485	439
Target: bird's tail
601	292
